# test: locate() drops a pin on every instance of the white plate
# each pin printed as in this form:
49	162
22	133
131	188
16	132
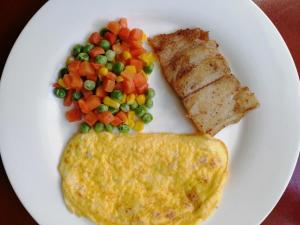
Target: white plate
263	146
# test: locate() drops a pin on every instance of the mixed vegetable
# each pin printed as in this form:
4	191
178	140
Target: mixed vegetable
106	80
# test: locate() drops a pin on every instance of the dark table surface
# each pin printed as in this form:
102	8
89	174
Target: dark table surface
285	14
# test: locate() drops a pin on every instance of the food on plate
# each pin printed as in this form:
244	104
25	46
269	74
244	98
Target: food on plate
200	75
105	80
143	178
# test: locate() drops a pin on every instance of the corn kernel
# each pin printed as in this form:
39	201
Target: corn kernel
109	102
61	82
144	38
131	123
139	126
119	79
69	60
126	55
145	75
131	115
123	98
103	71
147	58
141	99
130	69
130	98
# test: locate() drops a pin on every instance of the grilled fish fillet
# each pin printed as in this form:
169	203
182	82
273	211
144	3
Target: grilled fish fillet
200	75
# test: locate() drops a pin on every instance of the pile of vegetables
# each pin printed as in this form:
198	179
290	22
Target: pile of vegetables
105	81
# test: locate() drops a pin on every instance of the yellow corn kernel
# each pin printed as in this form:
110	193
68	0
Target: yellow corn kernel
103	71
119	79
126	55
109	102
141	99
139	126
130	98
130	123
144	38
130	69
61	82
131	115
69	60
147	58
123	98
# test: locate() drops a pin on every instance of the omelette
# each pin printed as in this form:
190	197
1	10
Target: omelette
125	179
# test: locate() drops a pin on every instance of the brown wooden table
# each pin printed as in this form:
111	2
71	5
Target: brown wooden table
285	14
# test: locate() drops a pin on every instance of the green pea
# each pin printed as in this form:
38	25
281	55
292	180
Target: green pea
103	31
110	54
89	85
63	71
118	67
83	56
147	118
148	69
98	127
149	103
140	111
102	108
113	110
109	127
134	105
124	128
60	92
150	93
76	96
101	59
87	48
117	95
76	49
124	107
104	44
109	66
84	128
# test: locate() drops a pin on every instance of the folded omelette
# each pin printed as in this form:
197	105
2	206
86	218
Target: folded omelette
122	179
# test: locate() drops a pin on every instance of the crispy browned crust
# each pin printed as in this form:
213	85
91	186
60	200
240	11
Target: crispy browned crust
200	75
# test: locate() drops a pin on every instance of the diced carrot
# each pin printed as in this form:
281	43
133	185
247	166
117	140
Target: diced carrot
142	89
137	51
96	51
90	118
129	76
95	38
93	102
86	69
114	27
96	66
110	37
73	67
67	81
118	86
136	34
124	34
111	76
76	82
100	92
124	46
83	106
86	93
73	115
123	22
55	85
128	86
134	44
122	115
139	80
108	85
68	98
137	63
105	117
116	121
